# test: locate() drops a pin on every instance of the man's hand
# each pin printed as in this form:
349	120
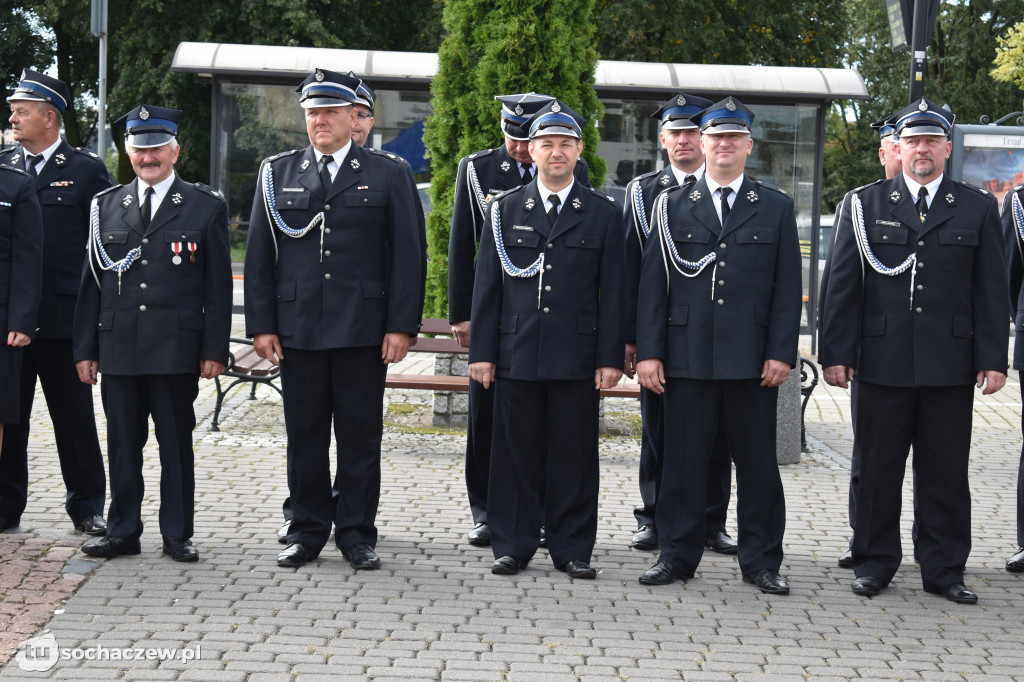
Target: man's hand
483	372
991	379
209	369
838	375
606	377
460	330
629	362
18	339
652	375
268	346
87	370
395	347
774	373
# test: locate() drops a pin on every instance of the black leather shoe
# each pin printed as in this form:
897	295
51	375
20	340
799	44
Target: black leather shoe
720	542
645	537
506	565
846	559
1015	564
867	586
282	532
109	546
661	573
180	549
543	537
956	592
578	569
6	525
480	536
296	554
362	557
768	581
92	525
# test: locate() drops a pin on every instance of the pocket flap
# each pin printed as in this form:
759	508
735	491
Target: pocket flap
586	324
583	241
507	324
374	288
190	319
183	235
956	237
57	197
290	200
691	234
115	236
364	198
105	320
887	234
526	239
755	235
678	314
963	327
286	291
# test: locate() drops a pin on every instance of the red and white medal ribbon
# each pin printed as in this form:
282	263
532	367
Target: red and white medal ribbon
176	248
192	252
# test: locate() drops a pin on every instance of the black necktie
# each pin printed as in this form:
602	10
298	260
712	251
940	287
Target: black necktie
31	162
922	203
688	179
146	208
726	191
527	175
553	211
325	174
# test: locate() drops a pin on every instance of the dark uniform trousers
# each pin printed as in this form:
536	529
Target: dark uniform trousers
652	439
330	297
149	330
1015	261
65	187
546	351
496	171
916	361
713	350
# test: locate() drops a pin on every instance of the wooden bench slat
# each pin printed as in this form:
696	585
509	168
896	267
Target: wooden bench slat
436	345
435	326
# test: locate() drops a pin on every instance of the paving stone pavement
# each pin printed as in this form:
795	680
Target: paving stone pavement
434	611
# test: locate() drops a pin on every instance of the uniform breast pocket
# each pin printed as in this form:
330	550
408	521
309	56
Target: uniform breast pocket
287	201
957	248
115	243
522	239
583	252
363	208
756	247
57	196
691	241
888	242
184	243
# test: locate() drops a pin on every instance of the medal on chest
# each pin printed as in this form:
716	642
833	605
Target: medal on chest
176	248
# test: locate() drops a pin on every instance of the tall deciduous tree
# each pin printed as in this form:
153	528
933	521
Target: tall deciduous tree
493	48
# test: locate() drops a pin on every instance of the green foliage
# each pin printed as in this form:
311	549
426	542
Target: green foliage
493	48
20	47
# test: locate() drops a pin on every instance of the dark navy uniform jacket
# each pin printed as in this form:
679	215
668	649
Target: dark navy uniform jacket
167	318
956	324
496	172
65	186
1015	258
725	322
21	253
579	324
638	220
368	280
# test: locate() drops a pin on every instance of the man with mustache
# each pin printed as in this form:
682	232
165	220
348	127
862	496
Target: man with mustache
153	316
915	313
65	180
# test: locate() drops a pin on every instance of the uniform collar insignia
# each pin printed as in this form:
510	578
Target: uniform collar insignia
530	203
127	201
305	165
577	204
354	163
505	165
950	199
894	198
144	114
61	160
16	158
752	197
176	198
695	195
664	180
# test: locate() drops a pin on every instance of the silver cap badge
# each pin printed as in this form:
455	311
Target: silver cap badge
319	75
555	107
730	105
144	114
681	101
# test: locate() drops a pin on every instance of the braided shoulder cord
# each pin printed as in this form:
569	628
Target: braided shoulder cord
661	216
1018	221
271	202
506	263
474	188
639	214
865	248
105	261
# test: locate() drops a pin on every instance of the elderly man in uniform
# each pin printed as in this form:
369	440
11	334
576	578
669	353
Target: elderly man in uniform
153	315
893	166
481	175
66	178
548	320
915	313
717	342
680	138
333	290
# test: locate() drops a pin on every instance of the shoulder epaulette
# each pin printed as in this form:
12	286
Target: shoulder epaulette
1018	188
388	155
506	193
480	154
975	188
275	157
107	191
764	184
207	189
601	194
86	152
870	184
13	168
